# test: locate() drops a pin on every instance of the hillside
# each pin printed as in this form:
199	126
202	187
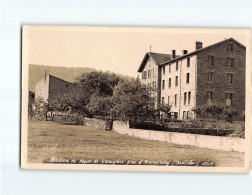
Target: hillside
37	72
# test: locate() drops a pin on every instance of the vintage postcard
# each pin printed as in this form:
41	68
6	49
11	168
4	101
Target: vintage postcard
136	99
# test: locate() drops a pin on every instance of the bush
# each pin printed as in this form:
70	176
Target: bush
78	119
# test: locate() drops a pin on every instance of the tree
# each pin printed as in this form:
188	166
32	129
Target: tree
100	105
101	82
215	109
165	108
74	100
132	101
230	112
199	110
41	108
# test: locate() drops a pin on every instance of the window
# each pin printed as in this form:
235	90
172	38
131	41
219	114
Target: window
176	81
144	75
163	84
153	83
188	62
149	74
169	82
211	60
168	100
163	69
185	98
187	77
230	79
230	62
175	115
184	114
163	100
187	114
209	97
229	99
230	47
177	65
210	77
189	97
175	100
169	68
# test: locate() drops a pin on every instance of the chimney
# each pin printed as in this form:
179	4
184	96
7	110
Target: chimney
198	45
173	54
45	75
184	52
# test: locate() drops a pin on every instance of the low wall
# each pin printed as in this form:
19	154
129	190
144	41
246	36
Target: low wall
204	141
98	123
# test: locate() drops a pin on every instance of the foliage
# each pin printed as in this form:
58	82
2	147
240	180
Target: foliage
40	110
199	110
99	105
132	101
165	108
74	100
101	82
214	109
230	112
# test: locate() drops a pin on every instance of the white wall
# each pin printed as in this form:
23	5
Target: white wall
42	89
204	141
182	86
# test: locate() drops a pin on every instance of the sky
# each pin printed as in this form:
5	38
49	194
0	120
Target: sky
118	50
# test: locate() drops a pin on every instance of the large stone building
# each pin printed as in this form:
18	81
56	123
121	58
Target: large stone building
50	87
213	74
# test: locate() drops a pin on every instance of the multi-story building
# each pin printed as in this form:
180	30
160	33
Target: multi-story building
50	87
209	75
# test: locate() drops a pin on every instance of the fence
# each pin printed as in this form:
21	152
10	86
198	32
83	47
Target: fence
98	123
59	117
204	141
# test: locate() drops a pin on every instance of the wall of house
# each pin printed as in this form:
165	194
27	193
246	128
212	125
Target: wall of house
58	86
219	85
153	67
181	88
41	89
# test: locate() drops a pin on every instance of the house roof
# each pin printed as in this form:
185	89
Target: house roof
60	79
202	49
162	59
158	58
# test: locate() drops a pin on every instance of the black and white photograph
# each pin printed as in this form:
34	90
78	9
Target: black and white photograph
135	99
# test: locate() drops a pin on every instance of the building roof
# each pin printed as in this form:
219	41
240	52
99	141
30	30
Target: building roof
158	58
162	59
202	49
60	79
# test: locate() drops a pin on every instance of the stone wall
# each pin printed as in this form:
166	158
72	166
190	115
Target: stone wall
98	123
219	85
204	141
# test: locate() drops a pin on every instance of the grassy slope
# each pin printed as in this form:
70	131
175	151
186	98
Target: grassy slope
50	139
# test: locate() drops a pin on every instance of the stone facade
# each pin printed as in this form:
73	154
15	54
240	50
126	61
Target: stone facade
50	87
214	74
219	86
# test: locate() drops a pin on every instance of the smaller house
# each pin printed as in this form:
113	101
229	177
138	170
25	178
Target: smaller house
50	87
